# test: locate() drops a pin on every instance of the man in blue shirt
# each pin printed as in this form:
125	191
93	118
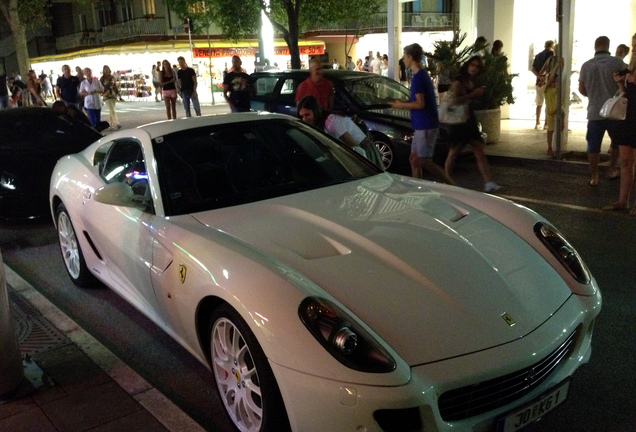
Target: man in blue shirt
424	120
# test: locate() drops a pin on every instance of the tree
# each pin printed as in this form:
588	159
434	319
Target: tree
22	15
288	17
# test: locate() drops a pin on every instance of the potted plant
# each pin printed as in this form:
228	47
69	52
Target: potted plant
444	63
497	82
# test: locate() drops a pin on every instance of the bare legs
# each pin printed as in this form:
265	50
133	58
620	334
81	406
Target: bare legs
420	164
538	115
628	159
593	159
171	107
482	163
550	138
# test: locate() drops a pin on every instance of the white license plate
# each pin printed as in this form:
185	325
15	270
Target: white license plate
523	416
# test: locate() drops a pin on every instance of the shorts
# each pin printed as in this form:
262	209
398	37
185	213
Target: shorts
423	143
156	83
539	98
172	94
596	131
465	133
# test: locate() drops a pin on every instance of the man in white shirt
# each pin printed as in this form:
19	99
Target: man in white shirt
376	64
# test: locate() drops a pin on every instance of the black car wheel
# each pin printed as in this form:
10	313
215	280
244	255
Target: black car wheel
385	148
244	379
71	251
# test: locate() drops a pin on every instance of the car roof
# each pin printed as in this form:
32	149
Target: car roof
166	127
330	73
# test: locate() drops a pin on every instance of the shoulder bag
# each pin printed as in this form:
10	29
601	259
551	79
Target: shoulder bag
452	114
615	108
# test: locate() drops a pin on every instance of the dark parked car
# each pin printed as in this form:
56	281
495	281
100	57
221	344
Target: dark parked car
31	141
356	93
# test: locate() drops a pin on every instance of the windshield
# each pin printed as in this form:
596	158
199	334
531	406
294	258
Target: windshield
236	163
371	90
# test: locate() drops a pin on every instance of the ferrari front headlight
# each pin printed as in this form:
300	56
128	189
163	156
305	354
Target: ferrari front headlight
563	251
346	341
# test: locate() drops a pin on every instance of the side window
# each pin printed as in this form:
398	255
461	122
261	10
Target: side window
265	86
288	92
124	163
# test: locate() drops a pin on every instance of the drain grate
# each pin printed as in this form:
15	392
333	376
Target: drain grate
35	333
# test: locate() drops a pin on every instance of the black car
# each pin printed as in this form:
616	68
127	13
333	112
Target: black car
365	95
32	139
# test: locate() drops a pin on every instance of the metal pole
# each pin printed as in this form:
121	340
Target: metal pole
11	370
559	114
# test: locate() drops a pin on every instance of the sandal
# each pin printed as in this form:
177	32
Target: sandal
593	183
618	207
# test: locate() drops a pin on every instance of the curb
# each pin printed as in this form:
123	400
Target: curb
151	399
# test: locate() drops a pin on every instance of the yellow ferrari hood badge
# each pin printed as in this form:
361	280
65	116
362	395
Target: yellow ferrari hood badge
182	273
508	319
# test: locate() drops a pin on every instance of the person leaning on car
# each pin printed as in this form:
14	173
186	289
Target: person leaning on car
316	85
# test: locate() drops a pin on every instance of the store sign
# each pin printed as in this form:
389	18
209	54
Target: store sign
251	51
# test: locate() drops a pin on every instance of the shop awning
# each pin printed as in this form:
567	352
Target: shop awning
201	48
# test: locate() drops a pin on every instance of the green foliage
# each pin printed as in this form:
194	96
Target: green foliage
497	82
448	56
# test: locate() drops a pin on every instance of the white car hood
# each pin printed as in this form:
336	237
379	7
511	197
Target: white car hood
430	275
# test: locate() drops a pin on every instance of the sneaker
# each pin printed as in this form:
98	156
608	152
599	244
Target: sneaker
118	127
491	186
537	127
550	152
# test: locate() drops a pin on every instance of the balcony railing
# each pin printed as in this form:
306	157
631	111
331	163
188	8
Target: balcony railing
133	29
78	40
417	21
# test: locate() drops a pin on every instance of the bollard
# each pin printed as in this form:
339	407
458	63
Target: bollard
11	371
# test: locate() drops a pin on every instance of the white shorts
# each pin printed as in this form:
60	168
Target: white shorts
539	98
423	143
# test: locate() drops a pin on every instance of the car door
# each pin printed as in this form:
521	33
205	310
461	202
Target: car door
123	236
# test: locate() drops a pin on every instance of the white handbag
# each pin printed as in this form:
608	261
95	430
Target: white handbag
615	108
452	114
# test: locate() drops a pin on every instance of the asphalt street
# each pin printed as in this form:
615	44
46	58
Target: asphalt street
602	392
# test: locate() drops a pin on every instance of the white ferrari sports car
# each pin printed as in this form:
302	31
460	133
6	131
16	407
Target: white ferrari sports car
323	293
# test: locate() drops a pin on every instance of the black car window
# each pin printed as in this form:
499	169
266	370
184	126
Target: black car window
237	163
264	86
124	163
373	90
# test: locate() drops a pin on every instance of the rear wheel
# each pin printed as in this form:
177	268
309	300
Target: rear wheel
71	251
244	379
385	148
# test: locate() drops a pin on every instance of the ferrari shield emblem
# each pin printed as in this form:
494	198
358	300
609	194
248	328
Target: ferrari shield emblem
508	319
182	273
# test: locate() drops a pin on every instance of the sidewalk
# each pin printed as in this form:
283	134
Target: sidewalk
73	383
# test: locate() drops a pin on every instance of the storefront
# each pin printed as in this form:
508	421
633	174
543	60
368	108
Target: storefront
132	63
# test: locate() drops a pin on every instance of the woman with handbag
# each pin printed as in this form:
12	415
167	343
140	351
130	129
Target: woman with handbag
462	91
626	136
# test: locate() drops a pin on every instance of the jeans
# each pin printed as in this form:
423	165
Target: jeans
187	97
94	115
4	102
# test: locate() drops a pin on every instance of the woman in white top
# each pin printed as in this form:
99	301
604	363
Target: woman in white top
341	127
91	89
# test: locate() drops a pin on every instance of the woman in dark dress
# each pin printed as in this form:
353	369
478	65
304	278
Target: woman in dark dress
626	138
169	89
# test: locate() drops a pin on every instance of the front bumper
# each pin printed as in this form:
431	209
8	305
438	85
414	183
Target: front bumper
318	404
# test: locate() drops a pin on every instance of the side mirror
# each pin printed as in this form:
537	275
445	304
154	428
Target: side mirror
120	194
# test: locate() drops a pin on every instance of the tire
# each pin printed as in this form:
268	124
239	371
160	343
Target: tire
71	251
385	148
244	379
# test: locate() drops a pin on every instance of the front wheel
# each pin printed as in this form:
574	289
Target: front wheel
71	251
244	379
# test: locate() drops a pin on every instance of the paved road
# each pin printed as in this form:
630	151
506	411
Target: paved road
602	392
